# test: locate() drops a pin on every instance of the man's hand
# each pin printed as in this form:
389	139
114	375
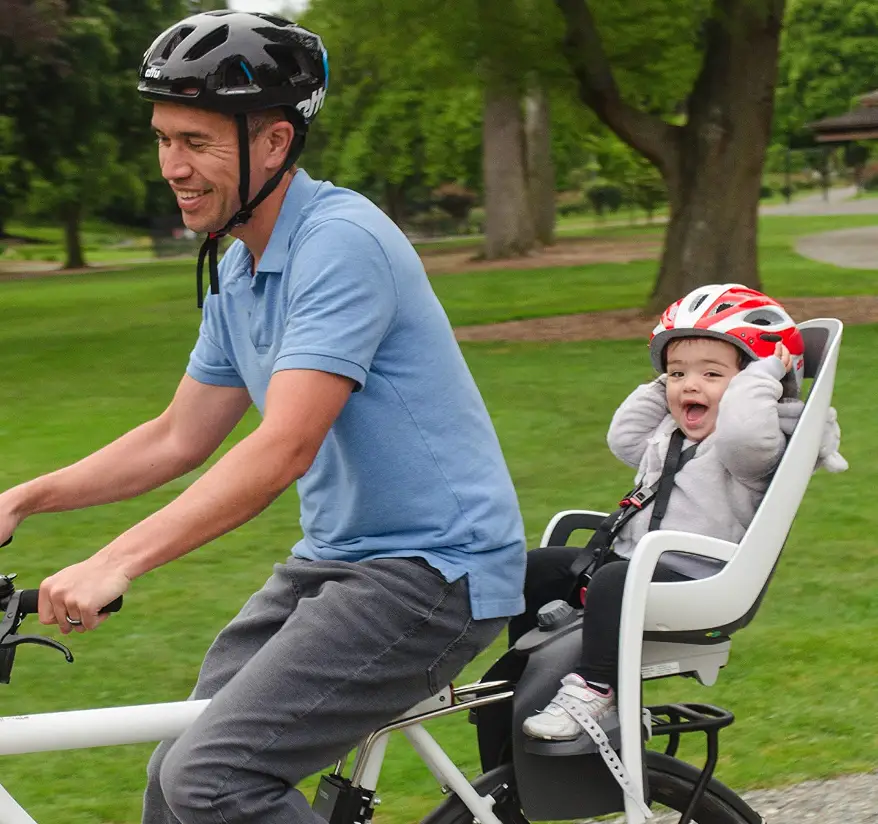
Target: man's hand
79	592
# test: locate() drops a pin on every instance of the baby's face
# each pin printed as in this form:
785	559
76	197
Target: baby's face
699	370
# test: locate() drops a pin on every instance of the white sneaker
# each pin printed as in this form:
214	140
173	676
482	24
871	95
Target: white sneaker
554	723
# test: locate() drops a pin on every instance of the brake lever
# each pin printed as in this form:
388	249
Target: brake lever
9	625
13	641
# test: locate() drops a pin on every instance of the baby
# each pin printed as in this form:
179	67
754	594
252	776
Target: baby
731	362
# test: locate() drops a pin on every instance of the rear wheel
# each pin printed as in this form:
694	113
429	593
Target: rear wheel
670	798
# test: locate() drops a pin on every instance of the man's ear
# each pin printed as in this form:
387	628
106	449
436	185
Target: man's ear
280	137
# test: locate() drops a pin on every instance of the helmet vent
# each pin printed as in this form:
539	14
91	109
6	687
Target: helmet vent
183	88
286	62
763	317
697	302
238	76
721	307
208	43
175	40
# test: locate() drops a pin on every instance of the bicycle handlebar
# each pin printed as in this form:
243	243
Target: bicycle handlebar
27	604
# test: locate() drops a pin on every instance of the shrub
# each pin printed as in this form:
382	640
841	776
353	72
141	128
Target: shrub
605	197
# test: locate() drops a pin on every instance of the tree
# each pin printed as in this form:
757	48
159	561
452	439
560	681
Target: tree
827	60
710	159
444	56
78	121
540	169
389	131
35	27
509	228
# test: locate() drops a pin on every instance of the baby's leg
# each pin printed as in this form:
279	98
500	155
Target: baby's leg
602	617
592	685
600	624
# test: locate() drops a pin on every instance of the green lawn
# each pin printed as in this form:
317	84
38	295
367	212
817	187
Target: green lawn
512	294
83	359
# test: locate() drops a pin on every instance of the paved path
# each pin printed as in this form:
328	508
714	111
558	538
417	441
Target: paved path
851	248
849	799
840	201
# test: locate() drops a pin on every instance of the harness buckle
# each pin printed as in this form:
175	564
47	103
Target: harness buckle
637	499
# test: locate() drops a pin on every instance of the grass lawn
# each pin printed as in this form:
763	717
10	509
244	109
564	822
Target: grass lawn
512	294
102	243
84	359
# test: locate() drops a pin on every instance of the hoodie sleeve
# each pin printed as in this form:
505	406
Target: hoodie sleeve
636	420
749	440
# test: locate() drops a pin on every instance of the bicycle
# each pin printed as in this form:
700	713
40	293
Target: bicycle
521	779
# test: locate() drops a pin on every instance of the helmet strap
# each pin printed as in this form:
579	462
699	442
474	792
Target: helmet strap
210	247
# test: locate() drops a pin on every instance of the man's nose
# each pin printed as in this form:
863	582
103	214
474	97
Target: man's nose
174	163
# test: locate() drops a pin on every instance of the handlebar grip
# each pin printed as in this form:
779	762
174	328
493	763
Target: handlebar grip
29	600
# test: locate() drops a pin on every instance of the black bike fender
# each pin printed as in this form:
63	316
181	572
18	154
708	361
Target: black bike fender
664	763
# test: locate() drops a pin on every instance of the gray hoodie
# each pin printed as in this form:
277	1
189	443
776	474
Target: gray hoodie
718	491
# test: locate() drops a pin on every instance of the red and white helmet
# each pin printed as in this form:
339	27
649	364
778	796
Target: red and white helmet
734	313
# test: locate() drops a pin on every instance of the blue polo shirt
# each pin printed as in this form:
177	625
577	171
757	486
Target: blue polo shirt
412	465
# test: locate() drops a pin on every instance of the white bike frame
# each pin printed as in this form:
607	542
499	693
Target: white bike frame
81	729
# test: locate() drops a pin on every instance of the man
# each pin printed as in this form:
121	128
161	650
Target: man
321	315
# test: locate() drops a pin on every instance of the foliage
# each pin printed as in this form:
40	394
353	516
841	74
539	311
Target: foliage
78	123
655	50
827	60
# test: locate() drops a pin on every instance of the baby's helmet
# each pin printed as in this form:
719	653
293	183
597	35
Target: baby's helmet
753	322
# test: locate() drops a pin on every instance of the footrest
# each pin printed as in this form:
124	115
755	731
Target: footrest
583	745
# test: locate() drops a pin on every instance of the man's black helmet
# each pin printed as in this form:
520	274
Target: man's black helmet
236	63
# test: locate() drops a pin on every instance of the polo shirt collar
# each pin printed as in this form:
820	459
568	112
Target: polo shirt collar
299	192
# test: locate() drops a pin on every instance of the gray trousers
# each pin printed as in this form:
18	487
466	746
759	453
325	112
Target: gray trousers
323	654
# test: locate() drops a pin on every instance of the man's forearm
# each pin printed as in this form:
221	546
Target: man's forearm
141	460
237	488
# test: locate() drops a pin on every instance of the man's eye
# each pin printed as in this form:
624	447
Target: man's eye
162	140
194	144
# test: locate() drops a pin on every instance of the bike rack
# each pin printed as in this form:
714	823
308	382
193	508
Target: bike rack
685	718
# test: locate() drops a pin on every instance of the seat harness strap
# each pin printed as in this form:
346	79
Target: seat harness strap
596	551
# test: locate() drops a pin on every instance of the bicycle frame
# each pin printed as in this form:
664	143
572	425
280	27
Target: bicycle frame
81	729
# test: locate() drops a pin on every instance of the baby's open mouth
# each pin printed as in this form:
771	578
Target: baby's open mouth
694	412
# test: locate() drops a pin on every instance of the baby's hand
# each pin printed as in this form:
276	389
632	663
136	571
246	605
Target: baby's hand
780	351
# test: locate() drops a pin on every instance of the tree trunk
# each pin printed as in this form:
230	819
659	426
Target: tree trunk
715	178
394	202
75	258
540	171
509	229
712	165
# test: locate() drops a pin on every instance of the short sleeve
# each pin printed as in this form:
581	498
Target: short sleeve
342	301
208	363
